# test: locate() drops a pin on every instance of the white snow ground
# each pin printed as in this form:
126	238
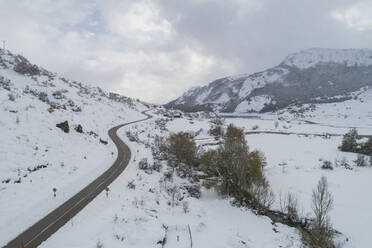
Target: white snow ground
294	164
135	217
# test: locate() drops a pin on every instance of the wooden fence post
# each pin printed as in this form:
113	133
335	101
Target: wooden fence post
190	235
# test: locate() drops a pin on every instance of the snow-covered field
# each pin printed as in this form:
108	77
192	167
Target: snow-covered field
137	217
356	112
294	166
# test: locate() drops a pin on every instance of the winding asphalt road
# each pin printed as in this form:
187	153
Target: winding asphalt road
48	225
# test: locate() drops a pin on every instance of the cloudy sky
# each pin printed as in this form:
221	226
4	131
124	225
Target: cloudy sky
155	50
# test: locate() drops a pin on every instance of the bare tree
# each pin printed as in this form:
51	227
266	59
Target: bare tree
289	205
216	128
360	161
262	194
322	204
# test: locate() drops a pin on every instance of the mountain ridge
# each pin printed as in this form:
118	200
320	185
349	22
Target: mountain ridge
314	75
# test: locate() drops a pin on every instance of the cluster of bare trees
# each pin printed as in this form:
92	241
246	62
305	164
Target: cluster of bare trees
216	128
235	171
322	203
318	232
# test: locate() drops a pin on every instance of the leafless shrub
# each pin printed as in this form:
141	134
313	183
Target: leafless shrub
185	207
255	127
143	164
58	94
43	97
168	175
262	194
360	161
133	137
116	218
174	192
216	127
289	205
156	165
193	190
147	167
327	165
51	109
23	66
159	148
322	203
131	185
11	97
119	237
99	244
343	163
276	124
5	83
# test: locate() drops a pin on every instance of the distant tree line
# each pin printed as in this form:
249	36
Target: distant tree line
350	143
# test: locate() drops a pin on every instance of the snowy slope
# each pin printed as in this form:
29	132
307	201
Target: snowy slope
297	149
311	57
35	155
136	217
355	112
311	76
142	215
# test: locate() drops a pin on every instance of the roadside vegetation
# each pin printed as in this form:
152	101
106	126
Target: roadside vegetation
235	171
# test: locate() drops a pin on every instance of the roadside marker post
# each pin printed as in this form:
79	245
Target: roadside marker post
107	191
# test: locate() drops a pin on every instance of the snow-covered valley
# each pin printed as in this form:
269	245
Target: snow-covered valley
142	216
137	217
156	207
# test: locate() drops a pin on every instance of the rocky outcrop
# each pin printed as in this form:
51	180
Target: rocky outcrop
79	128
64	126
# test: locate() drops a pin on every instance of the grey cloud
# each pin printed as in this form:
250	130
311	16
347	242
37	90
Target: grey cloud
163	47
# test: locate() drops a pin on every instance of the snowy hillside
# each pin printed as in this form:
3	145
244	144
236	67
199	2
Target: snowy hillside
141	210
35	155
138	211
296	149
311	57
311	76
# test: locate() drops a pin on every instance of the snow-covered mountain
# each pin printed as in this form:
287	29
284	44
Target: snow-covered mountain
315	75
